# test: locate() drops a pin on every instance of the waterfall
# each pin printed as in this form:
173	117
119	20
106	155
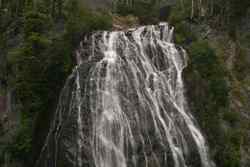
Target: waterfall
124	105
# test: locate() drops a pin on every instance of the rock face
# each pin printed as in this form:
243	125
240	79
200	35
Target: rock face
124	106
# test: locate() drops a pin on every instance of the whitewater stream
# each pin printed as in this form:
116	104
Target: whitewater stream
124	105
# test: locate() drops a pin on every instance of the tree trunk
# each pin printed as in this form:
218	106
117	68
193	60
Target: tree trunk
192	10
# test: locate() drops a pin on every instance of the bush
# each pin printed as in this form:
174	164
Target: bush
210	102
206	63
20	148
147	11
183	34
40	62
82	21
232	117
36	22
178	14
241	67
179	17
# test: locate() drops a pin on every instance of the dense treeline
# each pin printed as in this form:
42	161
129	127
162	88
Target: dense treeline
225	127
225	14
38	39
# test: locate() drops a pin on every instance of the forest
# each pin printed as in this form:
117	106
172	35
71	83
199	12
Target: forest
38	42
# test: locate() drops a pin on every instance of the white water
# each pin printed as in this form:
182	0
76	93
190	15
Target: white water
124	106
131	89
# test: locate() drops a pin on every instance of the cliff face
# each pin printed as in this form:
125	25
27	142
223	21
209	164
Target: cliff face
218	92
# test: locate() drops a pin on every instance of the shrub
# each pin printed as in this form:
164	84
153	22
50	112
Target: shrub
36	22
83	21
210	99
241	67
20	148
147	11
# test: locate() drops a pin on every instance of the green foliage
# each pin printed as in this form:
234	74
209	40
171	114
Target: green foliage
43	59
245	39
221	14
40	63
183	33
206	77
241	67
123	9
146	11
81	21
28	65
210	101
205	62
36	22
237	10
179	14
229	152
20	148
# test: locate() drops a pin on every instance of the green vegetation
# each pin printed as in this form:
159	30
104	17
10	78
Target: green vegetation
241	67
38	39
220	14
40	60
211	104
180	18
146	11
21	147
205	61
211	94
81	21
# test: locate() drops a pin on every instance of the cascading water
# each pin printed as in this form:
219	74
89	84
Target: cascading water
124	106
